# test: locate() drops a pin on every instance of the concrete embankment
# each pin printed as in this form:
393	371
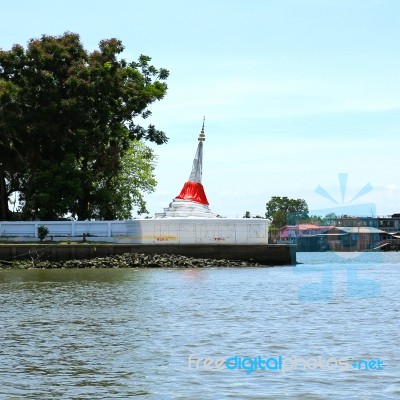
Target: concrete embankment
261	254
128	260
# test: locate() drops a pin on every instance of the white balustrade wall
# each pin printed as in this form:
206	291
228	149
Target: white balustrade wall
145	231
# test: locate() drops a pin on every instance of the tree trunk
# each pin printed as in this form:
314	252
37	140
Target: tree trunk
3	198
83	209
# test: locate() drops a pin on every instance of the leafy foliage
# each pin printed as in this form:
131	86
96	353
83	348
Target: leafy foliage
43	231
118	194
285	211
328	219
67	130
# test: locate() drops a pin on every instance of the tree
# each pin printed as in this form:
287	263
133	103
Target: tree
330	219
285	211
70	114
10	144
43	231
314	219
117	195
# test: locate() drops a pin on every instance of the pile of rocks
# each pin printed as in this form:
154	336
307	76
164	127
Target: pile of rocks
129	260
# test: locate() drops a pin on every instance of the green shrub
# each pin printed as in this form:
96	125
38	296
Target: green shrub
42	231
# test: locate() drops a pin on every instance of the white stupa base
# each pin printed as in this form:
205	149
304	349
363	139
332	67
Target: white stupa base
186	209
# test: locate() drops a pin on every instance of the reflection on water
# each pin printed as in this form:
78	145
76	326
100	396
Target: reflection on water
120	334
65	275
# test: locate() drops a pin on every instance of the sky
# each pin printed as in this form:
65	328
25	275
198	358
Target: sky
301	97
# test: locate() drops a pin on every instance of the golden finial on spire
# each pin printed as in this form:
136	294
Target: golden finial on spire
202	136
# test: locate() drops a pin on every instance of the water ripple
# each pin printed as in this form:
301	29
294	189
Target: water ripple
122	334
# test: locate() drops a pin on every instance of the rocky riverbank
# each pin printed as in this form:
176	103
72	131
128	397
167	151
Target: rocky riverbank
129	260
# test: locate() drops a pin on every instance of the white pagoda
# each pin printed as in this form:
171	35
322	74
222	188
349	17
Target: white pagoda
192	200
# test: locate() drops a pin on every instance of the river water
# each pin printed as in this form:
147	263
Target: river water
325	329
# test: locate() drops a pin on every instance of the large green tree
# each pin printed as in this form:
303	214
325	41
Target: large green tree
11	160
68	127
119	193
284	211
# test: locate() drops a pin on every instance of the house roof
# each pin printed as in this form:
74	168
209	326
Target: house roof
306	226
354	229
361	229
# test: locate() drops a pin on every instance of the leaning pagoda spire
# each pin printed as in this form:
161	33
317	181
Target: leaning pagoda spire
193	189
192	200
